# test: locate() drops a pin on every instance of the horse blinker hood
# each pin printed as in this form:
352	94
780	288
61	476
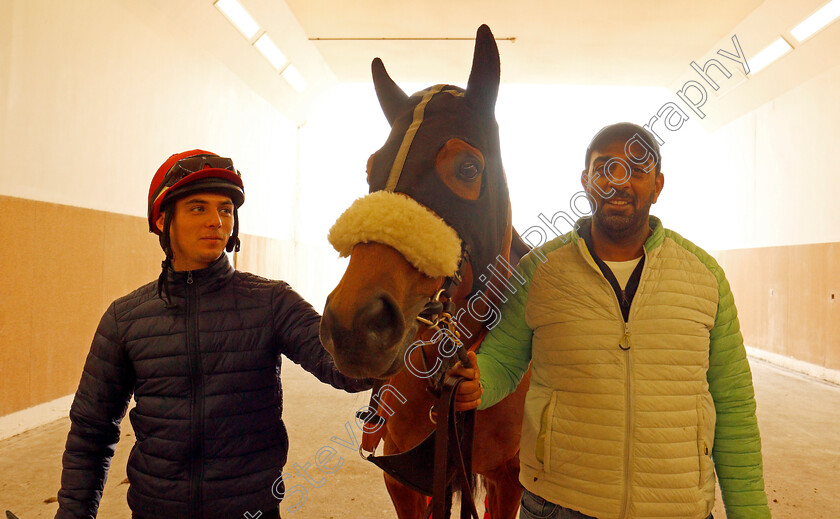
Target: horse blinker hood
422	124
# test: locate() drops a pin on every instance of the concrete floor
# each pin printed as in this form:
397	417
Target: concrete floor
799	420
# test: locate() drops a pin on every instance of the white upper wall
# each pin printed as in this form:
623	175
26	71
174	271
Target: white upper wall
96	94
770	177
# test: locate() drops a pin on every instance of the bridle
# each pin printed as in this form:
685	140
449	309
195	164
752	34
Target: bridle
449	447
440	312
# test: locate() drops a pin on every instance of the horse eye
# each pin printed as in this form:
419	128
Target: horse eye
468	171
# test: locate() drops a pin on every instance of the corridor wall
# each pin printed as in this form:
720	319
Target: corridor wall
94	96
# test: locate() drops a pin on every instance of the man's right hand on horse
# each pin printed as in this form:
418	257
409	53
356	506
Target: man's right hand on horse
469	392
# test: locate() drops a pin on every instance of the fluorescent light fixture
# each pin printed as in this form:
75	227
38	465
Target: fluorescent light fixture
827	14
771	53
270	51
294	78
239	17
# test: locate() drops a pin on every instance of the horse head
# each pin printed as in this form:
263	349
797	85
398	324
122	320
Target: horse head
437	213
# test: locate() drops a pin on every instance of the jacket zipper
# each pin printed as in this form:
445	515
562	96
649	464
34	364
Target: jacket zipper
630	426
628	419
624	345
196	403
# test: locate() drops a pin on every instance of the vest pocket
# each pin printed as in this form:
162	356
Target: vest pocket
704	446
543	449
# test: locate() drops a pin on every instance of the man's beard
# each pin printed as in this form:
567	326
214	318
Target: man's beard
620	226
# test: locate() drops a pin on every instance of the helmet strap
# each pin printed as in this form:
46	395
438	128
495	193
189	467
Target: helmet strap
166	264
233	241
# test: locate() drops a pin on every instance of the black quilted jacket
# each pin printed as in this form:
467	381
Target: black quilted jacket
206	379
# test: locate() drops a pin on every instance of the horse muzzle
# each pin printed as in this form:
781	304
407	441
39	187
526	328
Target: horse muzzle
370	344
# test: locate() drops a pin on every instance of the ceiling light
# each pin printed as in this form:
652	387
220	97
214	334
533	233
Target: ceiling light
270	51
771	53
294	78
827	14
239	17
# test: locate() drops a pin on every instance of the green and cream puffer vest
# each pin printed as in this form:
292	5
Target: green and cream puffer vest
629	420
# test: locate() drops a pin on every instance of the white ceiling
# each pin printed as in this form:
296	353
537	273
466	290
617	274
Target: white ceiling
606	42
643	42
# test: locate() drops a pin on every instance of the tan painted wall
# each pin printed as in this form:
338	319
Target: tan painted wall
788	299
63	267
60	269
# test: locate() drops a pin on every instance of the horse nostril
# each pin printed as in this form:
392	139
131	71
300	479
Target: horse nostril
381	321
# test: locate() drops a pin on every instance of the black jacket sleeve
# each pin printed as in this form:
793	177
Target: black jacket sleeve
296	326
95	416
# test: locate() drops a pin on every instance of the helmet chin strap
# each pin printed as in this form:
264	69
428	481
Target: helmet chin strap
166	264
233	241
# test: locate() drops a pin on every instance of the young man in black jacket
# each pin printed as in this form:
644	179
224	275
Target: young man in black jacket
200	351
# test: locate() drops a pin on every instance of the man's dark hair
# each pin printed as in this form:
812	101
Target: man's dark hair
624	132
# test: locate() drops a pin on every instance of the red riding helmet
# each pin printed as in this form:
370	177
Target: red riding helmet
191	171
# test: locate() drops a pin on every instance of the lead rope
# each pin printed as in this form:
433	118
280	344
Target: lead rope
452	453
435	314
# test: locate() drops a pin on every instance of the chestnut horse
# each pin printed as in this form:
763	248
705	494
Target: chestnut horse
437	189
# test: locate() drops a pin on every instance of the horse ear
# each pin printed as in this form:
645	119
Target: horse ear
391	97
483	86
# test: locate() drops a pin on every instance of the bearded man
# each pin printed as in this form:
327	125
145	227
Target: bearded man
640	388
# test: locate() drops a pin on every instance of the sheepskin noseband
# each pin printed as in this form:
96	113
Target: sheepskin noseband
420	235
